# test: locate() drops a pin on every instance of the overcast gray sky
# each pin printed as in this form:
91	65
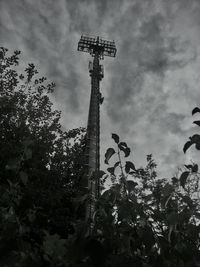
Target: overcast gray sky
150	88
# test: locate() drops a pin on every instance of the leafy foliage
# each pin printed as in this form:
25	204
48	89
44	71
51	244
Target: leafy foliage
183	178
115	137
146	221
195	139
40	169
108	155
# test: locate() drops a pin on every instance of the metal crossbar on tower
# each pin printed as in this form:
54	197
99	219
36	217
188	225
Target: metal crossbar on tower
97	48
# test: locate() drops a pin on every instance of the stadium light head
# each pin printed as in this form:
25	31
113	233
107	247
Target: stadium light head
96	45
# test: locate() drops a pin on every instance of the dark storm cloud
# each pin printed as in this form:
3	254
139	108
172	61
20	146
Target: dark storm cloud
167	122
151	50
37	29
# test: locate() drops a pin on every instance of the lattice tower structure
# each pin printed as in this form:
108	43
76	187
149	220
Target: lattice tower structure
97	48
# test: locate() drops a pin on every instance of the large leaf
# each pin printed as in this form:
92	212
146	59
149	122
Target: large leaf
187	145
189	167
197	146
110	151
195	168
123	147
111	170
195	110
183	178
195	138
129	165
116	164
197	122
115	137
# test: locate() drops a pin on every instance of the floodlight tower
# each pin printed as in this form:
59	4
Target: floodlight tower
97	48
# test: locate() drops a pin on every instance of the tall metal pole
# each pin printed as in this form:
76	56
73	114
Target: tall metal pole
98	48
93	141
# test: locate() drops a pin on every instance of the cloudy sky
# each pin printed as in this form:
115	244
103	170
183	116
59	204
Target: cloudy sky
150	88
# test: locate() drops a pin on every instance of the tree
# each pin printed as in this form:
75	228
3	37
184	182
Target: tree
40	167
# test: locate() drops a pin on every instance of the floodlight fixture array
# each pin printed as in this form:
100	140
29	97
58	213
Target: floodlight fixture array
96	45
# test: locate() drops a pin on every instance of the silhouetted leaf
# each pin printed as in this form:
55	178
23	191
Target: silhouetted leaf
115	137
123	147
116	164
195	110
105	178
187	145
195	168
129	165
127	152
189	167
183	178
111	170
197	146
197	122
110	151
195	138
